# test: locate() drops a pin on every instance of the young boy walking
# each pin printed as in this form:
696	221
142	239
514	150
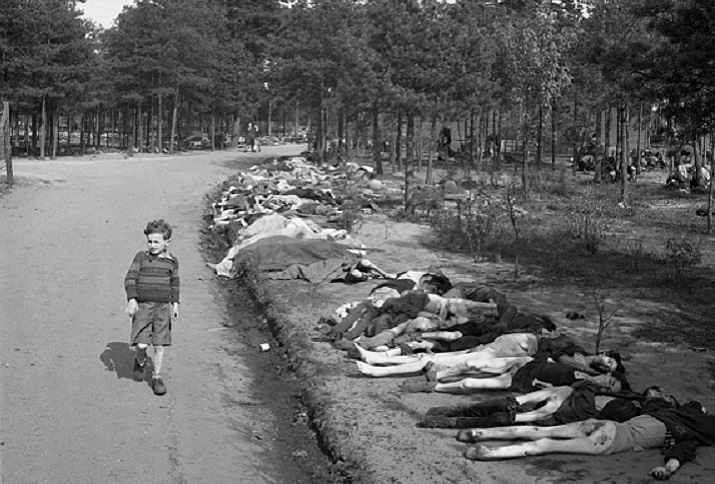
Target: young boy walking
152	286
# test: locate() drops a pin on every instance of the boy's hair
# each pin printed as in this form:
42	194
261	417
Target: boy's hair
158	227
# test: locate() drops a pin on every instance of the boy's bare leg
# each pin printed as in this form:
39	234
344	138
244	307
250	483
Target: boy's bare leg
140	353
158	360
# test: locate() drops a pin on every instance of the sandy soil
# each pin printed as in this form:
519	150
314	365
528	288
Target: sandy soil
370	423
69	409
71	413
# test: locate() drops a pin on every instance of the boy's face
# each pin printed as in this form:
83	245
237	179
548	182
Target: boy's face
156	243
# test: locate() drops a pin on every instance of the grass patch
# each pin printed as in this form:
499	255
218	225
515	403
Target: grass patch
572	232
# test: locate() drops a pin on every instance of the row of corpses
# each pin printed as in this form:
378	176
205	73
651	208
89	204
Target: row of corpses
459	338
267	212
465	338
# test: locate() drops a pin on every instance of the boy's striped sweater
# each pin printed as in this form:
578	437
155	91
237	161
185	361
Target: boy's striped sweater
153	279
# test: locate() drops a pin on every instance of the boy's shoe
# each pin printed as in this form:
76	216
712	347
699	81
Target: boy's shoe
158	386
139	370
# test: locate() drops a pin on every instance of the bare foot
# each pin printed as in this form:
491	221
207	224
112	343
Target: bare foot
478	452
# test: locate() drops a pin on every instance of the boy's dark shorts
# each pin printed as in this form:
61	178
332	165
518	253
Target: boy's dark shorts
151	324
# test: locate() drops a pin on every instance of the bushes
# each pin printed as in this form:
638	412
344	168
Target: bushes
587	223
470	233
683	253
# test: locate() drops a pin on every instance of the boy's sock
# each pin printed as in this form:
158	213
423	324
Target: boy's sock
140	355
139	371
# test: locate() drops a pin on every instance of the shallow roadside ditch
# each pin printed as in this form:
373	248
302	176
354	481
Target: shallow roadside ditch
292	443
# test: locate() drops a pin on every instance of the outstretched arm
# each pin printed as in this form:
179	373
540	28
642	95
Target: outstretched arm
664	472
571	361
678	455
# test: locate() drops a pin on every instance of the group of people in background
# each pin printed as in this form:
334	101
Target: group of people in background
253	141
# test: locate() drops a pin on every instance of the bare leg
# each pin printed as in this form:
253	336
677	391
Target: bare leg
158	360
380	358
495	366
140	353
470	385
394	370
554	398
541	395
366	264
593	444
442	335
530	432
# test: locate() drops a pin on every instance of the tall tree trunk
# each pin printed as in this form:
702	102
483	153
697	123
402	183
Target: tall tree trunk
174	120
55	131
398	141
623	111
430	154
553	135
35	132
5	148
575	130
43	132
125	134
627	140
297	120
497	159
160	120
712	183
376	141
540	138
142	139
269	128
638	140
598	157
607	137
137	114
419	148
81	133
525	148
69	133
150	126
345	139
475	138
213	131
409	160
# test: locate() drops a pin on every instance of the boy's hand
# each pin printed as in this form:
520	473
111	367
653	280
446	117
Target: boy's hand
132	307
175	310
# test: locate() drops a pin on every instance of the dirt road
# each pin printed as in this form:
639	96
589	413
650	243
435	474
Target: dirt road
70	411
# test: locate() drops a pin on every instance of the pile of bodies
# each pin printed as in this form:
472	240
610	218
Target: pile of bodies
466	338
267	212
451	338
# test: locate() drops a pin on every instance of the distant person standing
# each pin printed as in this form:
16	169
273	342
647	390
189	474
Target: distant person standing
152	287
250	137
256	138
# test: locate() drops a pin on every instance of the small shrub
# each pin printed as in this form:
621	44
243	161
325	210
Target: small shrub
471	232
636	252
683	253
588	223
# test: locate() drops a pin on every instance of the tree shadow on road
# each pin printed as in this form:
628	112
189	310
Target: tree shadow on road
117	357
